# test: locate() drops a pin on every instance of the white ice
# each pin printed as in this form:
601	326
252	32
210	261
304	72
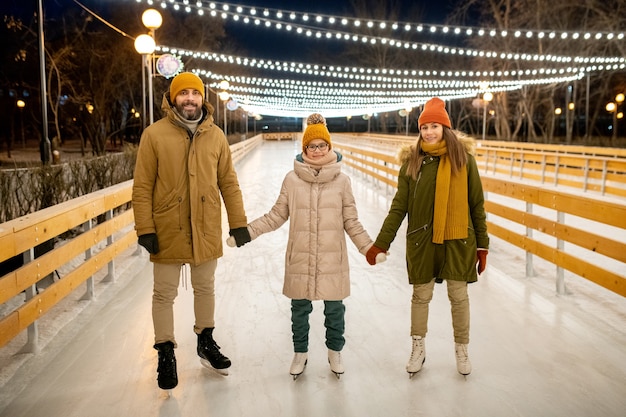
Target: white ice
534	353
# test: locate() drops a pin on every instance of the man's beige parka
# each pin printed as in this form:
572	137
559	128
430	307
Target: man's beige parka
180	179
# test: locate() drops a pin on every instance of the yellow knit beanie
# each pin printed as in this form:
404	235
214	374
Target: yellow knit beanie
316	129
183	81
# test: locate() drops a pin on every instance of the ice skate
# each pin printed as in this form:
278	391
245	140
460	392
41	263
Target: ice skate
336	365
298	364
463	364
167	377
210	355
418	356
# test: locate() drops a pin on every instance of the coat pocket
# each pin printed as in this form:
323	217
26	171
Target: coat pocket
461	257
417	238
420	253
210	219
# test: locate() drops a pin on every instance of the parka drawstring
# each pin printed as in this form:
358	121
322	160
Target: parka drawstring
185	275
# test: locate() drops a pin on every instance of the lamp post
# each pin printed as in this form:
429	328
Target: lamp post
224	96
619	99
146	45
487	97
407	109
613	107
20	105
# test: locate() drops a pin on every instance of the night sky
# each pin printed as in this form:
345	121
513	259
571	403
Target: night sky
258	42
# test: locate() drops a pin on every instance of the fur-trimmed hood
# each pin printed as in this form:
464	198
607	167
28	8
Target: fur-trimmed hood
406	150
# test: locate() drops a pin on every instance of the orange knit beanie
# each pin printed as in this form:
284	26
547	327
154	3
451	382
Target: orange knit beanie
434	112
183	81
316	129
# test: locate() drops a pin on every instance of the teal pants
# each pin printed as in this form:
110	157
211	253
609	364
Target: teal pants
334	313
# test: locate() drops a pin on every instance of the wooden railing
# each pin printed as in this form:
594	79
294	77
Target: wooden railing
240	149
587	169
585	172
103	223
105	216
596	244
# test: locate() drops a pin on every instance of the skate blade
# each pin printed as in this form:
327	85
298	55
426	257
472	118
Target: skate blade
207	365
167	393
338	374
295	376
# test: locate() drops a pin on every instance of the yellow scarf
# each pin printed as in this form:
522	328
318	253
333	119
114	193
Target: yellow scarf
451	206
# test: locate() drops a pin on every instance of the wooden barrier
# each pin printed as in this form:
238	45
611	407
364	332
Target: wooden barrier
240	149
603	174
280	136
21	235
591	240
588	169
383	167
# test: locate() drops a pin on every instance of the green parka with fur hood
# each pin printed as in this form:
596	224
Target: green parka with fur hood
454	259
180	179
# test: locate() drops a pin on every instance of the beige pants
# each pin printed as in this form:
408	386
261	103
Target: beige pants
166	280
459	305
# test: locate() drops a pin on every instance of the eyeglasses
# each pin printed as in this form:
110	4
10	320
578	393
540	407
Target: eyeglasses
320	146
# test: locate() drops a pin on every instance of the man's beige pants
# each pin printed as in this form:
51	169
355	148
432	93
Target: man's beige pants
166	281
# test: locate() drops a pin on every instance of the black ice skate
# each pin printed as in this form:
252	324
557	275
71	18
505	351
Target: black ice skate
209	352
166	370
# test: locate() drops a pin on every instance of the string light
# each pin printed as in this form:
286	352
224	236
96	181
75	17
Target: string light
467	31
297	98
348	90
386	75
271	18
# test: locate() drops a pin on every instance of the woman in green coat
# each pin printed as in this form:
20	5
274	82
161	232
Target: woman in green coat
440	189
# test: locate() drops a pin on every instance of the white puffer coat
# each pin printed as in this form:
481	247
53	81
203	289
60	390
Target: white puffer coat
321	210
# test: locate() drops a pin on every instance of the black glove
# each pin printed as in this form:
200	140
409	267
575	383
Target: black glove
241	235
150	242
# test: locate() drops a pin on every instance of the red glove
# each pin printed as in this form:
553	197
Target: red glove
481	260
371	254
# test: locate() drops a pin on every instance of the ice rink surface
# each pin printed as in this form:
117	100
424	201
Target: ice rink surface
534	353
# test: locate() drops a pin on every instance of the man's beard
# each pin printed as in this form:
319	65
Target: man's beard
189	114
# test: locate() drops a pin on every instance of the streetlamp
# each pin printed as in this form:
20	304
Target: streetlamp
21	104
487	97
224	96
145	45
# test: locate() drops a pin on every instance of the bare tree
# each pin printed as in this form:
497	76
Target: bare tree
529	113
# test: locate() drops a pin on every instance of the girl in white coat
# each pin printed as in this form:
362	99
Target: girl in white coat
316	198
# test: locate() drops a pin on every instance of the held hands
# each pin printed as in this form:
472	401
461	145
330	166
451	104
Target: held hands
150	242
376	255
481	260
240	235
